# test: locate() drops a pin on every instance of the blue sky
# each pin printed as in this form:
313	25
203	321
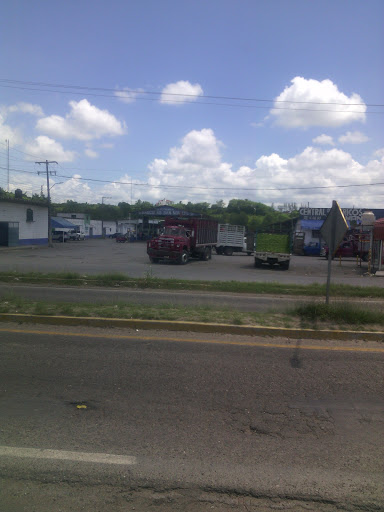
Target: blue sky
147	99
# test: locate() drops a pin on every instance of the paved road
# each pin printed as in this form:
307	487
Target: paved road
201	417
101	256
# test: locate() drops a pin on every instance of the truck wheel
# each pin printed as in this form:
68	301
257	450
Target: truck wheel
228	251
184	258
258	263
284	265
153	260
219	250
206	254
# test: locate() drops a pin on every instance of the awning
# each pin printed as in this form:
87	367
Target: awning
311	224
61	223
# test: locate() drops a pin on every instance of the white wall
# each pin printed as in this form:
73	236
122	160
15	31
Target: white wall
96	225
30	233
110	227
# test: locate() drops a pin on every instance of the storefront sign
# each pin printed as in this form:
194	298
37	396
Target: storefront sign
351	214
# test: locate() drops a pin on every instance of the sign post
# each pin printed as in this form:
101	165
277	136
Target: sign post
333	231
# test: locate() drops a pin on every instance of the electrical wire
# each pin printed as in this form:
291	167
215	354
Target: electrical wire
141	91
277	189
196	101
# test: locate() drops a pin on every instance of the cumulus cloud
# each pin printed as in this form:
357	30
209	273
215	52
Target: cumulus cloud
8	133
26	108
316	103
90	153
197	162
180	92
74	189
45	148
379	153
83	122
323	140
353	138
127	95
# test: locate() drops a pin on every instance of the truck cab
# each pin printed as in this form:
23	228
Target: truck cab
182	239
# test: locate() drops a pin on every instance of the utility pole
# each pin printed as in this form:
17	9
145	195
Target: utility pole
48	173
7	141
102	216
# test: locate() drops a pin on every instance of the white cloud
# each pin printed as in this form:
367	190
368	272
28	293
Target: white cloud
197	162
45	148
90	153
379	153
9	133
353	138
180	92
83	122
127	95
323	140
306	106
74	189
26	108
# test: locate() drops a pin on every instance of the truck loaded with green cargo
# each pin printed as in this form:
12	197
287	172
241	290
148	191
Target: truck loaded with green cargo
273	249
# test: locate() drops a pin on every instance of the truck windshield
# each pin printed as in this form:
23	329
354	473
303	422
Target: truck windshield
174	231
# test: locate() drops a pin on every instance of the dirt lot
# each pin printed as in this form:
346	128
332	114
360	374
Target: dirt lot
105	256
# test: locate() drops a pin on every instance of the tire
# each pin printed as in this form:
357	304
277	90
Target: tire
219	250
153	260
228	251
249	253
207	254
184	258
285	265
258	263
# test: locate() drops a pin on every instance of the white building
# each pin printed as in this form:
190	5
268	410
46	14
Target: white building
78	219
23	222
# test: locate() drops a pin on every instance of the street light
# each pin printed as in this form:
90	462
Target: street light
59	183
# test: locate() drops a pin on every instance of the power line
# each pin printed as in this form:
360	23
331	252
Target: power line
206	188
141	91
196	101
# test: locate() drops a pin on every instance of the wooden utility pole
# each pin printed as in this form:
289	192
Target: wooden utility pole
48	172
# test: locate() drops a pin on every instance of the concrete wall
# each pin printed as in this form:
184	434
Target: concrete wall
30	232
95	226
109	227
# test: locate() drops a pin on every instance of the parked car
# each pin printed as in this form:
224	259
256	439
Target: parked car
76	235
60	236
115	235
121	238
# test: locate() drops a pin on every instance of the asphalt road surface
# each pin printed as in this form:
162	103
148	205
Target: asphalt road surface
116	420
96	256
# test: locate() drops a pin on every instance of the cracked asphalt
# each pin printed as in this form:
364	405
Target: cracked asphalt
212	426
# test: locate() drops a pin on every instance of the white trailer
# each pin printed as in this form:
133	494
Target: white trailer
230	239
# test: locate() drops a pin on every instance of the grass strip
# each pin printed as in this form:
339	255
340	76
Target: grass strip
308	316
150	282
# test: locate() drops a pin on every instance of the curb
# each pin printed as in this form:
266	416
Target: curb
165	325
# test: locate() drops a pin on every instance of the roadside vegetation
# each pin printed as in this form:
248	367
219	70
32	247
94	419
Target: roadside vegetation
310	315
150	282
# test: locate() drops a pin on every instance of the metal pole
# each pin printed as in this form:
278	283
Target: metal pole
330	254
7	141
49	199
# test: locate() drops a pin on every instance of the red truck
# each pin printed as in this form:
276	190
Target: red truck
183	239
353	246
